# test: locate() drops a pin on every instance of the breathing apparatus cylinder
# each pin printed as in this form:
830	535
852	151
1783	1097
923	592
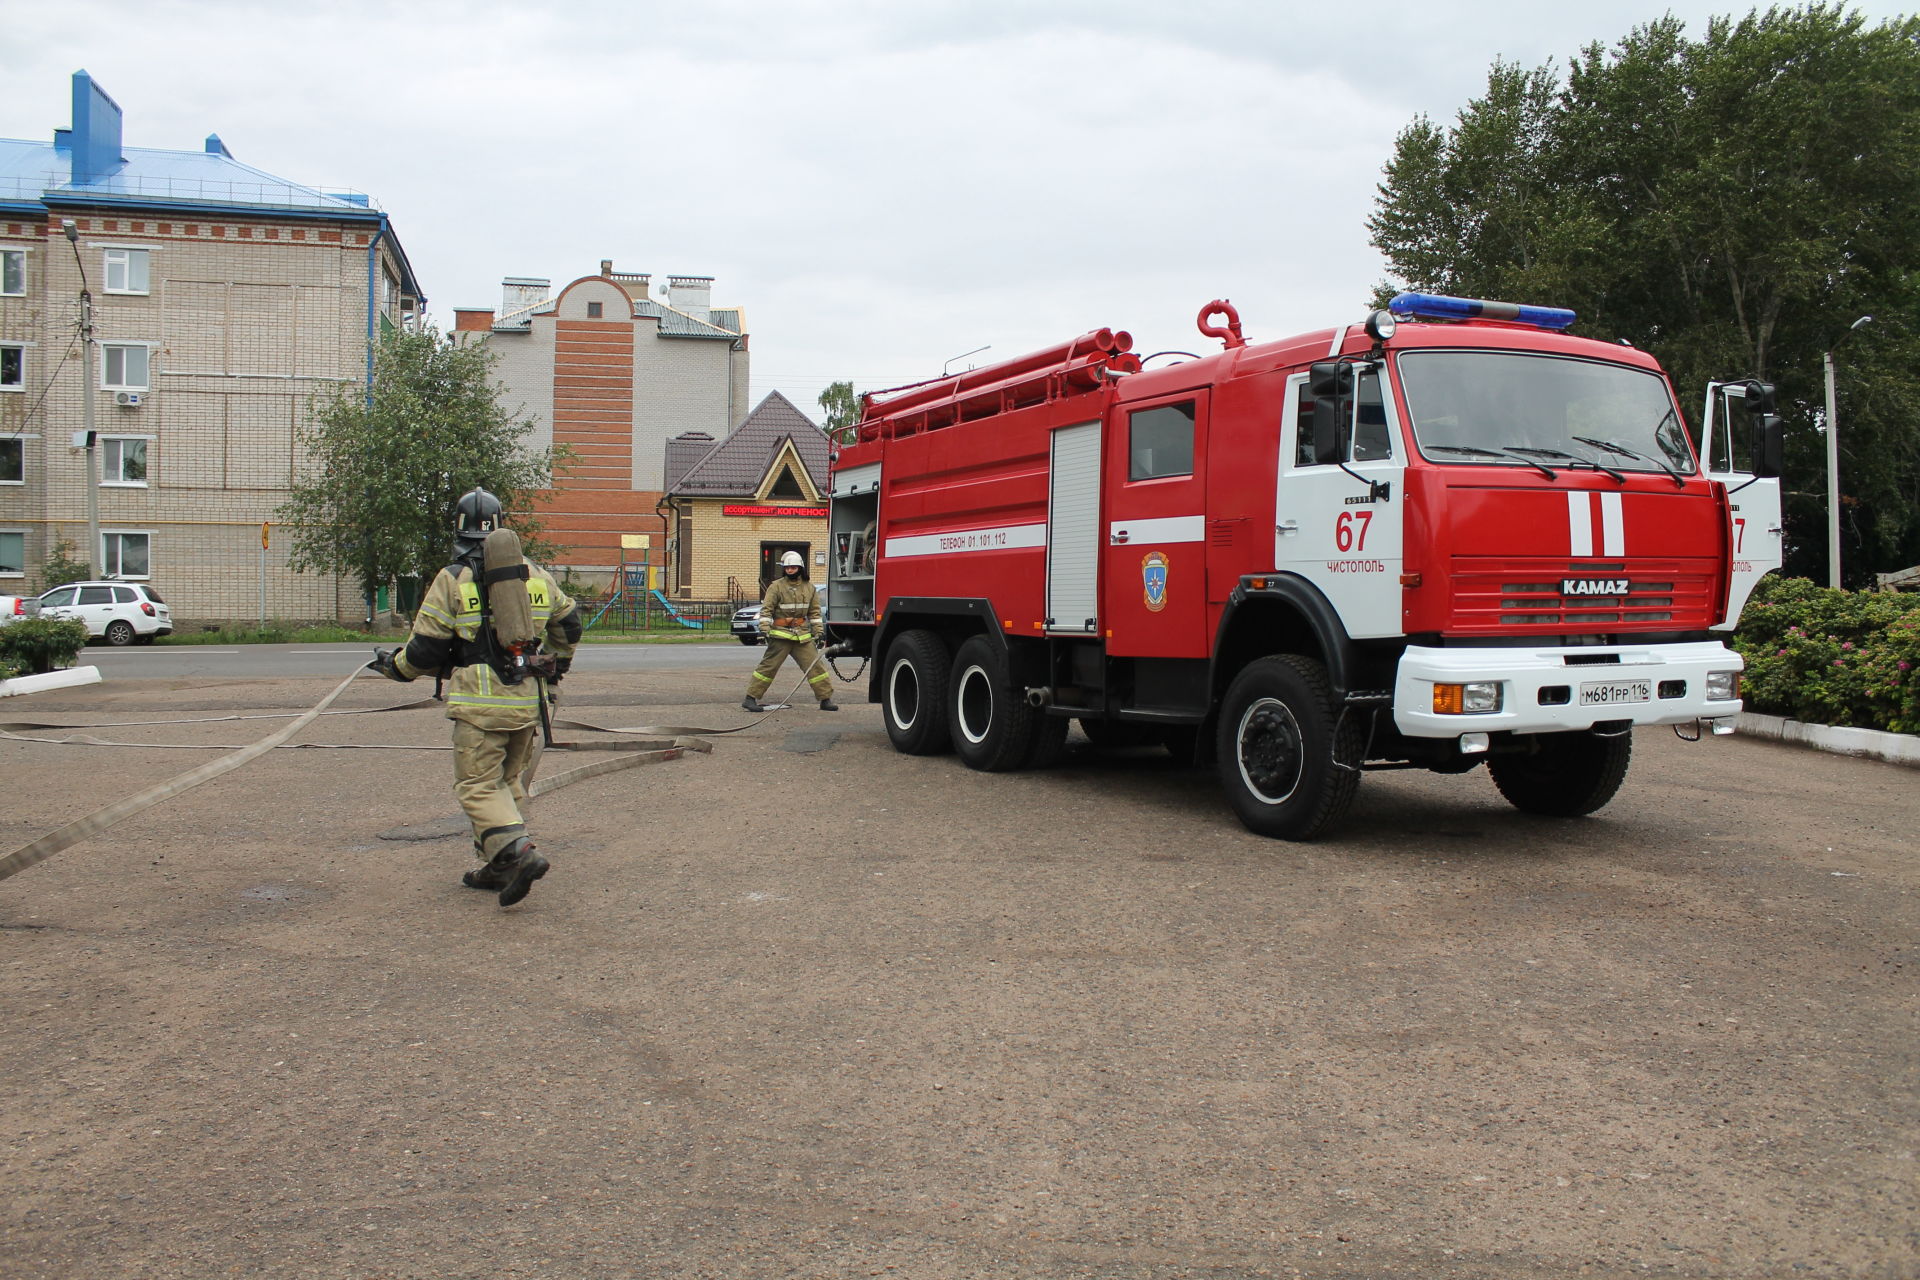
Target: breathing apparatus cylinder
504	578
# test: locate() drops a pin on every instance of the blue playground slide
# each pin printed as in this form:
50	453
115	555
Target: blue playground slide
692	623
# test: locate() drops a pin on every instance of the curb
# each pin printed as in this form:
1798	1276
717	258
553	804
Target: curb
1873	744
66	679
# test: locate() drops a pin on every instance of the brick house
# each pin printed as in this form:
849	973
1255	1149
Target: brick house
224	299
612	372
737	504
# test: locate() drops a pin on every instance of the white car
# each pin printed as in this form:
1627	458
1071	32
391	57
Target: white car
13	607
119	612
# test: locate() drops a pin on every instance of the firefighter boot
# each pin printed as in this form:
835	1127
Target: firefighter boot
751	703
828	704
518	866
484	876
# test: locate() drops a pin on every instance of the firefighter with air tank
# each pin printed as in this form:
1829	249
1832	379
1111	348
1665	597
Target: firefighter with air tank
501	632
790	619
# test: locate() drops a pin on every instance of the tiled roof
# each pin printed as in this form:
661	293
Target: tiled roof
678	324
736	466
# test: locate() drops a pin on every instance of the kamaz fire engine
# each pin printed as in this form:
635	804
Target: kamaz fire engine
1453	534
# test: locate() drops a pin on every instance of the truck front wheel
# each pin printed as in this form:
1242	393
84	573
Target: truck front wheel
1281	747
913	693
1565	775
993	727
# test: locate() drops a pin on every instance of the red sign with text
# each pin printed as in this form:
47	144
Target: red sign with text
745	510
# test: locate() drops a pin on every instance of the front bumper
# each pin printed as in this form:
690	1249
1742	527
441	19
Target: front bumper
1534	683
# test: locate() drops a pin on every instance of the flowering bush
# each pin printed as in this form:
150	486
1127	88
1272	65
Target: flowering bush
1832	657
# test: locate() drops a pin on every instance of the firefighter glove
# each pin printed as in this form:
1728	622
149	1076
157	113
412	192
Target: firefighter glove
384	662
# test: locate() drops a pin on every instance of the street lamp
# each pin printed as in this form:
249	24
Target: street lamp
1833	459
86	401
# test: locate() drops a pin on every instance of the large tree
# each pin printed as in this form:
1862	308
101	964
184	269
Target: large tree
841	405
381	472
1731	203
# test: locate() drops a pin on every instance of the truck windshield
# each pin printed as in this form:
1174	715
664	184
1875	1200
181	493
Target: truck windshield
1480	407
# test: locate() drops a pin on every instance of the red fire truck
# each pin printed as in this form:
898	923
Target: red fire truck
1453	534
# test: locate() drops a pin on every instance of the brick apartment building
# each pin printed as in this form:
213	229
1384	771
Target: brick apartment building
224	300
613	372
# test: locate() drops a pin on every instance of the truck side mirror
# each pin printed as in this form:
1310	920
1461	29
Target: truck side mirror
1769	445
1768	442
1331	384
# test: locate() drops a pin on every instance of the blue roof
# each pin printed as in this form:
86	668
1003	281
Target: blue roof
40	173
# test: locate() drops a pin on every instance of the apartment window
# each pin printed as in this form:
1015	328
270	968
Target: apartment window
13	461
123	460
127	270
13	553
13	272
123	366
13	367
126	554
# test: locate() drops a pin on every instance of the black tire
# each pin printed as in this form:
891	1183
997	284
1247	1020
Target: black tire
992	722
1566	775
1049	745
913	694
1277	742
120	633
148	638
749	641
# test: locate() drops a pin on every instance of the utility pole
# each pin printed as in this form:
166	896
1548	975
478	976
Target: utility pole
1833	457
95	567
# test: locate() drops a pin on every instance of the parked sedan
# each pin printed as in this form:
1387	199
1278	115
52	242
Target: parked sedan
118	612
746	624
12	607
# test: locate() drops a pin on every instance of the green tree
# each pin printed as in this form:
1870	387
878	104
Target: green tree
1731	204
841	406
61	567
381	473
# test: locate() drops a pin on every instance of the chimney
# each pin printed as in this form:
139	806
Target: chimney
215	147
683	451
96	132
691	294
472	320
522	291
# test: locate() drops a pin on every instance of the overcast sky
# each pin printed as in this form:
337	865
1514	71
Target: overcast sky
880	184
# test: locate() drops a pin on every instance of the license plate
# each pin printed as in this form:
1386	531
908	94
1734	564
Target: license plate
1608	693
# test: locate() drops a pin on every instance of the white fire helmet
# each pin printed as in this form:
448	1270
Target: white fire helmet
792	560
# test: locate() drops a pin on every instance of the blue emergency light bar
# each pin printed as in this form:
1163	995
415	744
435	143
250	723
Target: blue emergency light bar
1434	306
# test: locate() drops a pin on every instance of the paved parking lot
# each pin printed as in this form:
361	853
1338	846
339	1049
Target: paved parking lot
804	1007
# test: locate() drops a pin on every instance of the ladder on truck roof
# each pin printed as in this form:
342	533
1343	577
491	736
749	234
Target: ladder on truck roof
1069	368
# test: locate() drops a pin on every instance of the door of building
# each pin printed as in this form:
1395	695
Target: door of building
770	553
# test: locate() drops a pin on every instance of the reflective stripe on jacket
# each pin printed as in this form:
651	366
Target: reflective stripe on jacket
475	691
791	610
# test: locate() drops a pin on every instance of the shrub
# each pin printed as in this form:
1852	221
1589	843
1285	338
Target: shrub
41	644
61	568
1832	657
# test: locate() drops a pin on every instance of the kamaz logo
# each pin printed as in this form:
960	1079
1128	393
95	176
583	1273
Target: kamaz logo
1594	586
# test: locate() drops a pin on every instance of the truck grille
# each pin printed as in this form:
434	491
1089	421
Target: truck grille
1661	595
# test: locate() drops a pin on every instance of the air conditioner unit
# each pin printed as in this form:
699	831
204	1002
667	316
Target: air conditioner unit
127	399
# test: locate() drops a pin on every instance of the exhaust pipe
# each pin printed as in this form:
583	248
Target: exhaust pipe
1039	697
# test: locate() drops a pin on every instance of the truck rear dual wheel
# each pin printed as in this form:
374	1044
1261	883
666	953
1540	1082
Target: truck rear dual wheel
1281	745
1566	775
994	727
913	694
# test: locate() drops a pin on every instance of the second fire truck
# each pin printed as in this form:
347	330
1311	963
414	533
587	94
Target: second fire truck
1449	536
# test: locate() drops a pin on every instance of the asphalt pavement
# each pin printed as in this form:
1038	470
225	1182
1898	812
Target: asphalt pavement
275	661
804	1007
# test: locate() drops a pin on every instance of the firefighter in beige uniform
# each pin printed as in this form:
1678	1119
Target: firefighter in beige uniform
495	689
790	617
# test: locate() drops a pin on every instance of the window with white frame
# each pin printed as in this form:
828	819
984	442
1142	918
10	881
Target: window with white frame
123	366
126	555
13	272
123	460
127	270
13	367
13	553
13	461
